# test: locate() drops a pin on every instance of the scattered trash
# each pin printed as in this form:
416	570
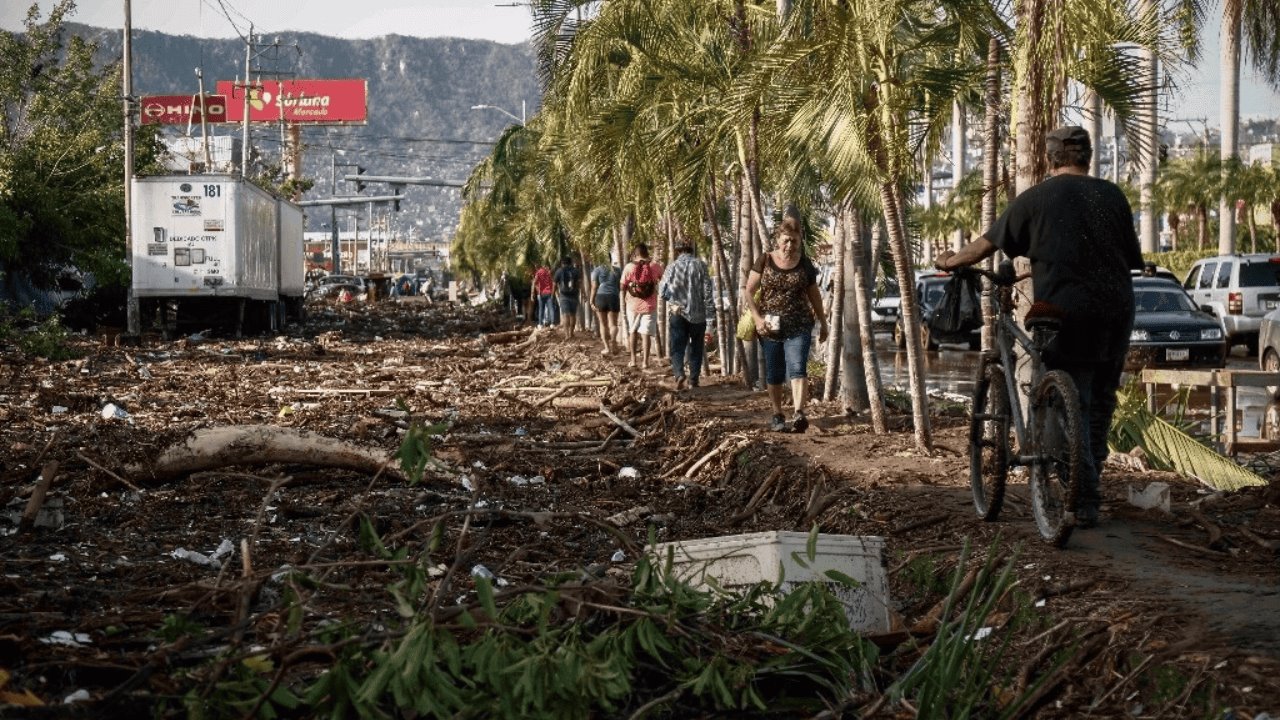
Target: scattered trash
80	695
618	556
58	557
466	483
1156	495
66	637
521	432
1040	603
521	481
58	410
629	473
111	411
980	634
481	571
213	559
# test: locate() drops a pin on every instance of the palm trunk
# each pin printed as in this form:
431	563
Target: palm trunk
725	317
910	313
1202	226
859	271
990	178
835	318
746	257
1253	230
1229	117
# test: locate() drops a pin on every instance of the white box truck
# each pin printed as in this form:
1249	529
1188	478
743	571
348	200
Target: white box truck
215	250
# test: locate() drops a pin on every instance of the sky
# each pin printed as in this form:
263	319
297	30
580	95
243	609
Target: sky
508	21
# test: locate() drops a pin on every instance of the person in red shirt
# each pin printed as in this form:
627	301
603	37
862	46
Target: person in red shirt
640	285
543	294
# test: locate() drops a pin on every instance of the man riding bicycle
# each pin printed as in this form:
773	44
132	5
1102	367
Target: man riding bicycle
1078	233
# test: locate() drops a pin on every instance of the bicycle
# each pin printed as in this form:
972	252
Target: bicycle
1047	442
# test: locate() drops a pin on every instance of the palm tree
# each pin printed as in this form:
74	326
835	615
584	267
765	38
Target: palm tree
1253	185
1260	21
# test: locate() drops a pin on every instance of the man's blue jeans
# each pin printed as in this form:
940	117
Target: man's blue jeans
686	337
546	309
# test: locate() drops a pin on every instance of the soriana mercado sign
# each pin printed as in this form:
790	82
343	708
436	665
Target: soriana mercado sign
299	101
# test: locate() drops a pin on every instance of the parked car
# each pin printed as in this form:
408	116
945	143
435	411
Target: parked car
928	295
1170	331
332	285
885	306
1239	290
1269	342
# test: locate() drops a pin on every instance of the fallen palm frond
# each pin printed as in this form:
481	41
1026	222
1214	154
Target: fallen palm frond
1170	448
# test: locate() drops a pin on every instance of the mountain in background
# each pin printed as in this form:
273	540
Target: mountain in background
420	94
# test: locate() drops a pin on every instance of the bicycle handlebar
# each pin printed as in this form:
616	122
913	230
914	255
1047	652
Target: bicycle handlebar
1003	277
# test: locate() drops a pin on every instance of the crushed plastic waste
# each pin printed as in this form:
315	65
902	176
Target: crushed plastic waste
111	411
213	559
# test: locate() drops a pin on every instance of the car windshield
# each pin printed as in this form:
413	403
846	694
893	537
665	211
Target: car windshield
1260	274
1161	301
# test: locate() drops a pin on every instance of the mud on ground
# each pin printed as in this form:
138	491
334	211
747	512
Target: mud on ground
1155	615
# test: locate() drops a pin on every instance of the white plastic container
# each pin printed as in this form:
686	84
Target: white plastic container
776	556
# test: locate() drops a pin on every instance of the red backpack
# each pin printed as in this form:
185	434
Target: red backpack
642	283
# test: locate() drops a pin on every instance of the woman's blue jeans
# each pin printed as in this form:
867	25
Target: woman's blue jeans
786	359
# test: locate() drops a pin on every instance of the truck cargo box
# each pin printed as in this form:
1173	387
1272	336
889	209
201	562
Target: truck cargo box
292	251
204	236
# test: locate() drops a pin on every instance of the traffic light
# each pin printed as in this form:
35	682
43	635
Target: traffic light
397	189
359	183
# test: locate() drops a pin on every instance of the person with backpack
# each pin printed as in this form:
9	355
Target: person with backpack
542	293
606	280
567	281
686	286
640	283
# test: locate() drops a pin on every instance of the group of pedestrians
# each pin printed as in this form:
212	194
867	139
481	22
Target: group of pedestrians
1076	230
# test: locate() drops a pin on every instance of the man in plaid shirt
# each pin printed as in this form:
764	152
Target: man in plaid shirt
686	286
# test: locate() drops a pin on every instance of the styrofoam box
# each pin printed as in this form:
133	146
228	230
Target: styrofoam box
739	560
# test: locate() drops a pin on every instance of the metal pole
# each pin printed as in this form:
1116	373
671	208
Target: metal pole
244	139
204	124
133	317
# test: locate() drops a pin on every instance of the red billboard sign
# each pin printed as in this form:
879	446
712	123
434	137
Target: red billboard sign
299	101
181	109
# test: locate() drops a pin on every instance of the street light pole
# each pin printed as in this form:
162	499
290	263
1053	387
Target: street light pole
504	112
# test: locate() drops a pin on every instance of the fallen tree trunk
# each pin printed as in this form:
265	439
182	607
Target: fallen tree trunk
213	448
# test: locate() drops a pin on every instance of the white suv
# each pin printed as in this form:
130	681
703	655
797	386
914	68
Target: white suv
1239	290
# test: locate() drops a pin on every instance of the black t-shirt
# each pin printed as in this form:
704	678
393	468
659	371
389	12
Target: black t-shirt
1078	233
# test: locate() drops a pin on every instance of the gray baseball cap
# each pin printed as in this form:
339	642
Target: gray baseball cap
1069	136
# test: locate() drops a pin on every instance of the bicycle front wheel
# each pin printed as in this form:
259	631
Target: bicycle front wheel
1057	431
990	421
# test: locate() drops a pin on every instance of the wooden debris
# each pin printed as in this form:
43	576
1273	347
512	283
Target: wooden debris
47	474
619	421
627	517
734	441
217	447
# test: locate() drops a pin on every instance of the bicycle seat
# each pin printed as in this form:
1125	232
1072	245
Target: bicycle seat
1042	315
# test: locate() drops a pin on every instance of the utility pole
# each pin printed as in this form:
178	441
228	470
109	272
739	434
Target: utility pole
204	124
244	139
133	319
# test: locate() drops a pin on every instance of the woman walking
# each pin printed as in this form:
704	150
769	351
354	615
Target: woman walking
607	281
784	316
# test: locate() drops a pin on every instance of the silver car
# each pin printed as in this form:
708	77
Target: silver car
1239	290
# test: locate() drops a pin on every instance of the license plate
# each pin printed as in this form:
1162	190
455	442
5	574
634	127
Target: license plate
1176	354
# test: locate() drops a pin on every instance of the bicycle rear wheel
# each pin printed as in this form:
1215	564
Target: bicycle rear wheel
1057	430
990	421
